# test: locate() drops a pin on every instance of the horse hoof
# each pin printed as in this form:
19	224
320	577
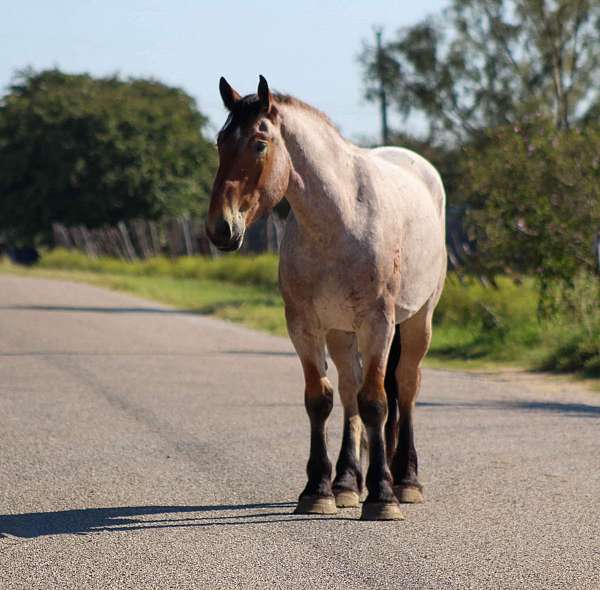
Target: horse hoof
347	499
409	494
381	511
316	505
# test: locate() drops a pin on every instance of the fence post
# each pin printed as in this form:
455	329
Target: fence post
61	236
141	238
187	236
128	246
88	240
154	238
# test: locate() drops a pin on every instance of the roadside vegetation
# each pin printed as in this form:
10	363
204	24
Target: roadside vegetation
506	96
81	150
475	325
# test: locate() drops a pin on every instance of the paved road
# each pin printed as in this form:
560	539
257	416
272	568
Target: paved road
143	448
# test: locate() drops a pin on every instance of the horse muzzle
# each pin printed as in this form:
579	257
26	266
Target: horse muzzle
225	236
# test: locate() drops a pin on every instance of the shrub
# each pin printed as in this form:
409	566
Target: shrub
95	151
534	198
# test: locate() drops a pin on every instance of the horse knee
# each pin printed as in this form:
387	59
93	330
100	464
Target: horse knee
318	394
319	403
373	409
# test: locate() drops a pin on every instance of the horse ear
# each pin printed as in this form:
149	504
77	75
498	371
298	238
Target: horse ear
264	94
228	94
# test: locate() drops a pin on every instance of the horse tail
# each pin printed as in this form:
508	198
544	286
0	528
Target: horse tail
391	389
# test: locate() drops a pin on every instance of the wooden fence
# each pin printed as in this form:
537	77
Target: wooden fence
140	239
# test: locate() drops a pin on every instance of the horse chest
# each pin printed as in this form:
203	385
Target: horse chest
340	308
335	295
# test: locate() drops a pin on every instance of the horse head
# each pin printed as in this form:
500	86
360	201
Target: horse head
254	165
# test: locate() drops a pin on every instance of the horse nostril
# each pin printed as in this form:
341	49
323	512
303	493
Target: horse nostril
223	230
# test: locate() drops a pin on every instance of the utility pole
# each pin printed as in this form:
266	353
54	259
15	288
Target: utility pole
383	104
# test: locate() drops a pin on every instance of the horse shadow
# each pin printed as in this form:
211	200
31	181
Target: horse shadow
130	518
574	409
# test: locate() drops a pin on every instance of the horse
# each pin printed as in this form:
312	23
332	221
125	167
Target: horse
362	267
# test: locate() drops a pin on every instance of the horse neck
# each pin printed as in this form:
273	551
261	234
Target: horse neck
324	181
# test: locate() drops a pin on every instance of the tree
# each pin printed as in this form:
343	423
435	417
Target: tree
510	92
487	63
534	193
82	150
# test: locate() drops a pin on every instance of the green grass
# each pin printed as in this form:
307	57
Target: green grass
474	322
482	326
475	326
260	270
255	306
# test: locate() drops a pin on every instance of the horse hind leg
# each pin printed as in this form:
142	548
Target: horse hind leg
348	482
391	390
374	338
415	337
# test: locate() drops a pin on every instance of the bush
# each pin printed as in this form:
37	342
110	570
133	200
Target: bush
477	321
95	151
534	199
577	344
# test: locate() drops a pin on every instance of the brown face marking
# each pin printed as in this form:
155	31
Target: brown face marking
245	185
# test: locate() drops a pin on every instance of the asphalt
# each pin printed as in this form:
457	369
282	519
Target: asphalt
146	448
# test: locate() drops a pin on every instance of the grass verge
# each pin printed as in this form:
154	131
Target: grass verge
475	327
255	306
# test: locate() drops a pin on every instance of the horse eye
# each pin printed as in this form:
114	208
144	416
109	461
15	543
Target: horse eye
261	147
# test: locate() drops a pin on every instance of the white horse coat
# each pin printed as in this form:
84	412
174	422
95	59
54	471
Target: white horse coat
363	252
378	224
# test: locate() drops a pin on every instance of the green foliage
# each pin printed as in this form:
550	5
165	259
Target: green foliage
509	91
534	194
486	63
577	344
80	150
473	324
478	322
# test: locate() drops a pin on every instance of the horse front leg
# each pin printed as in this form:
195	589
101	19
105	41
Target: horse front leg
348	482
375	337
317	496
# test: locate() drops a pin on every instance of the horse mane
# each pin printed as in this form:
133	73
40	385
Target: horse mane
287	99
248	107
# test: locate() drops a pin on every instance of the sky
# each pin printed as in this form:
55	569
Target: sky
307	48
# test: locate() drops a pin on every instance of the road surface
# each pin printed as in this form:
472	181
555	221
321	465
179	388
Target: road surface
146	448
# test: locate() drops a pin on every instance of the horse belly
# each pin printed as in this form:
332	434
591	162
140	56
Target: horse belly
422	269
411	219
